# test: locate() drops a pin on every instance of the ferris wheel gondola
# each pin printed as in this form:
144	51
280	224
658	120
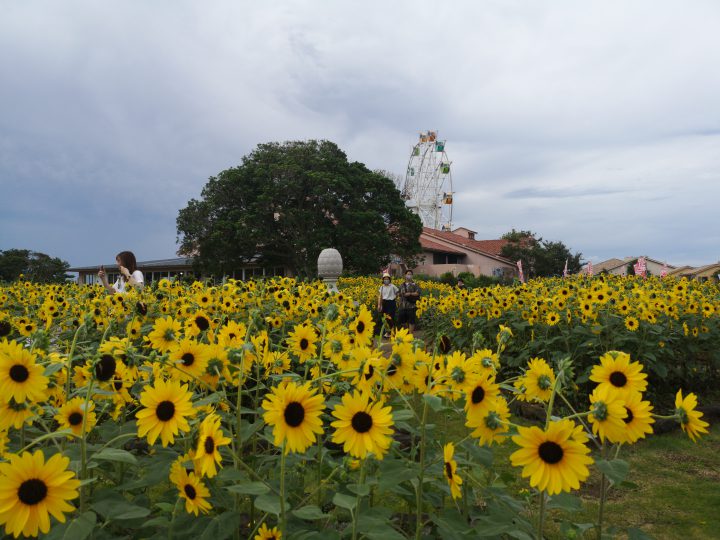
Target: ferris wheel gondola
428	187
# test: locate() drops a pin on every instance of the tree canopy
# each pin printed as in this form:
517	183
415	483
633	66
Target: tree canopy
33	266
286	202
540	258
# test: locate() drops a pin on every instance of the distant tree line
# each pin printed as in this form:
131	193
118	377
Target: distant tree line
32	266
540	258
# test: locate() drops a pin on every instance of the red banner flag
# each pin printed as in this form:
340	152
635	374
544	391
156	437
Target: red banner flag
522	276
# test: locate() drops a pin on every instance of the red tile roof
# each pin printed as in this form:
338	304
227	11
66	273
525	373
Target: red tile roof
492	247
434	246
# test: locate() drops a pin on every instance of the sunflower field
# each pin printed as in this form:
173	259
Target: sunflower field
272	409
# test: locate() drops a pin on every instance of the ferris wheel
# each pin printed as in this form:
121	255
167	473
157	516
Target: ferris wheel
428	183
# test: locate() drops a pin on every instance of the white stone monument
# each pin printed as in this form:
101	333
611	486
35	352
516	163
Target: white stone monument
330	266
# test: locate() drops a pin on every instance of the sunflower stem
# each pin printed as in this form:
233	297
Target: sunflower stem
603	496
283	515
83	447
356	514
421	477
541	516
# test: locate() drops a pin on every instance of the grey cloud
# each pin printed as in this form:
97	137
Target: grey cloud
560	193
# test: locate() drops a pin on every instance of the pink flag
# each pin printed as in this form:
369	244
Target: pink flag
519	265
640	267
664	270
589	268
565	269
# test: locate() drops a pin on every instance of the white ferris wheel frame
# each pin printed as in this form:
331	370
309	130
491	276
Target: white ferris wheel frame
428	188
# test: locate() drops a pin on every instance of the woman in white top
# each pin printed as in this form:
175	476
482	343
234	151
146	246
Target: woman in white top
386	302
130	276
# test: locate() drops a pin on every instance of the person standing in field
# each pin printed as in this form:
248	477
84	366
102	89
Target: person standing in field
387	302
409	295
130	276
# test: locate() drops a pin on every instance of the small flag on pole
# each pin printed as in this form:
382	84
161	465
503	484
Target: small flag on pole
519	265
565	269
589	268
664	270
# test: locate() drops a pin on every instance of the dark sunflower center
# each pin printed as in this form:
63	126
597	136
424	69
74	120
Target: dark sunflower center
304	343
360	328
202	323
19	373
118	384
370	372
5	328
362	422
105	368
209	445
188	359
294	414
32	491
75	419
550	452
448	470
392	370
477	395
618	379
629	417
165	410
190	492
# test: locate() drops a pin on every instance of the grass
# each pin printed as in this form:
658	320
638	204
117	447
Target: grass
674	490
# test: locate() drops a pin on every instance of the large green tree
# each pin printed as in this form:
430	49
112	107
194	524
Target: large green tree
540	258
34	266
286	202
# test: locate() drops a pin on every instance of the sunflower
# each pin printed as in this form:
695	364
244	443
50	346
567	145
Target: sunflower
538	380
363	326
552	318
362	426
277	362
639	420
193	491
167	407
556	459
72	414
232	334
631	323
489	361
190	359
336	347
165	334
197	323
31	489
302	342
607	411
207	454
15	415
461	373
20	377
268	534
490	425
133	329
450	471
689	418
294	413
618	371
480	395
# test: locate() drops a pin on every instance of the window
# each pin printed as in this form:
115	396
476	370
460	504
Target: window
446	258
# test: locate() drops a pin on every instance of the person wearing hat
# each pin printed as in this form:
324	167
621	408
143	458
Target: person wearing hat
386	302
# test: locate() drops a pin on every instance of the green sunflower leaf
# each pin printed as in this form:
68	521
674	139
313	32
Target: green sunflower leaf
616	470
81	527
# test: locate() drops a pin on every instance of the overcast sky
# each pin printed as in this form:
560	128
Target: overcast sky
593	123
